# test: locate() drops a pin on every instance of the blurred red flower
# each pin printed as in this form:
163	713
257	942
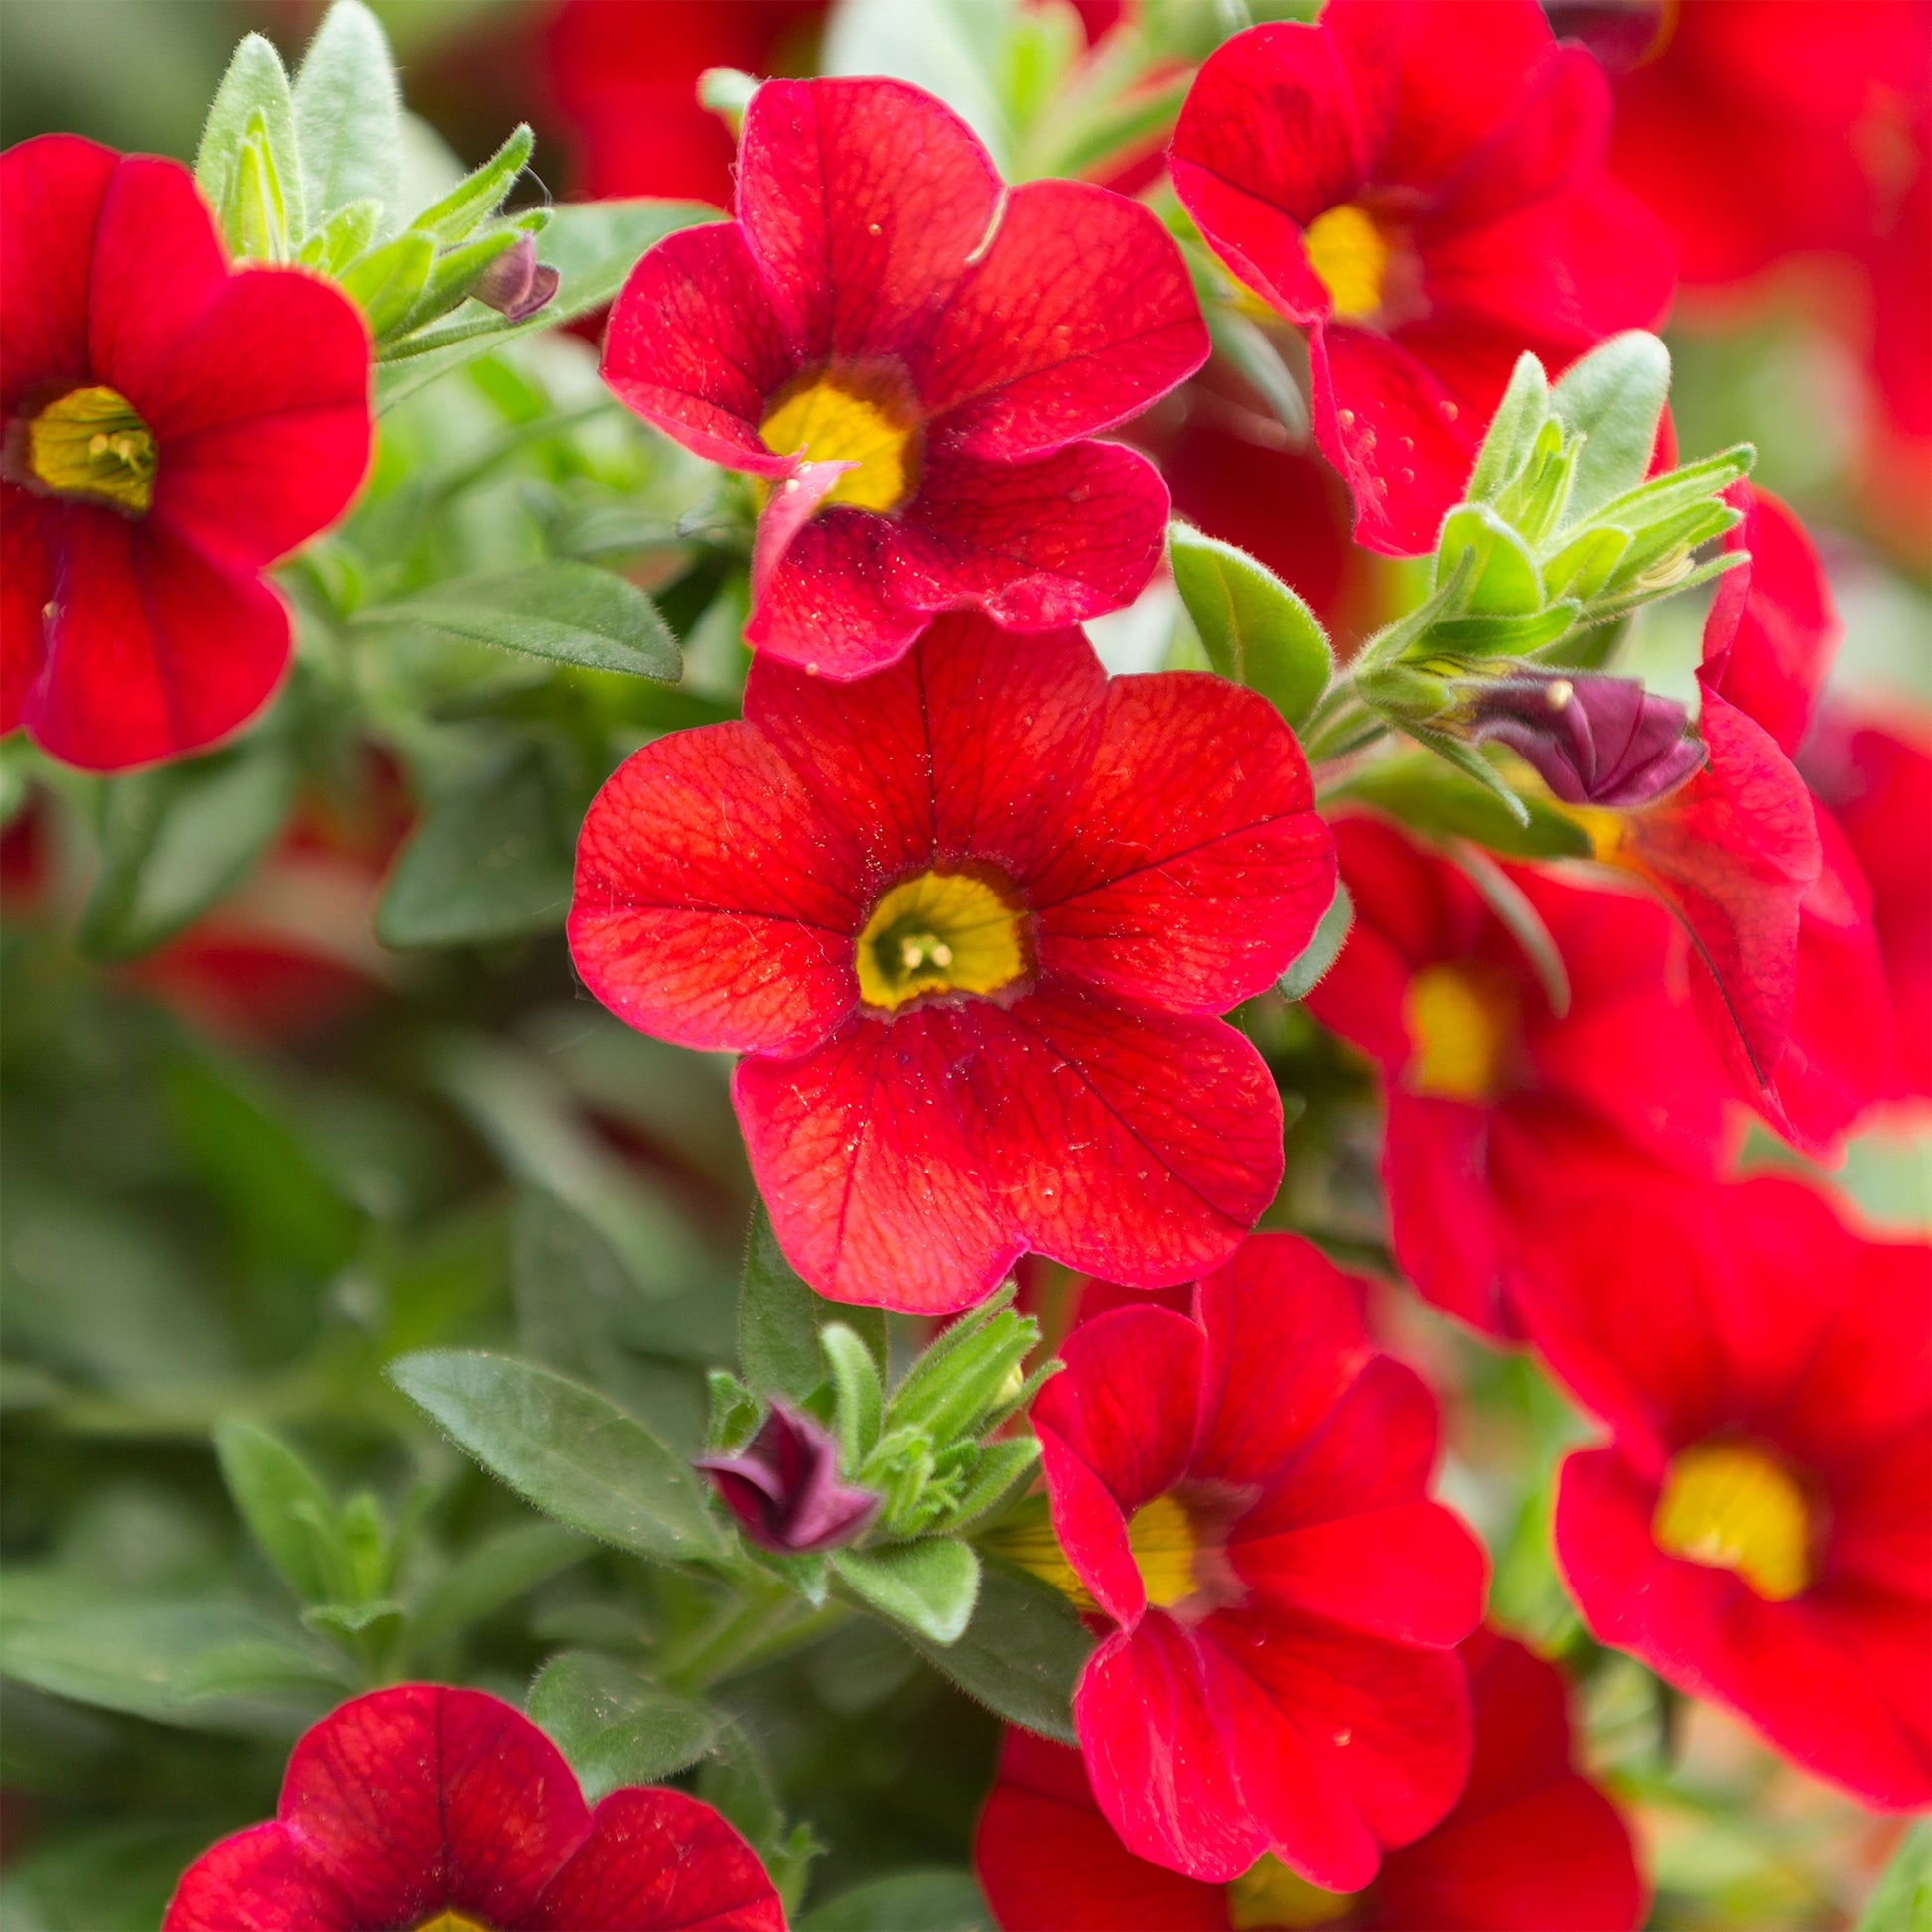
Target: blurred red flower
1497	1104
909	361
1530	1845
969	921
1758	1529
1420	183
173	425
1244	1497
423	1805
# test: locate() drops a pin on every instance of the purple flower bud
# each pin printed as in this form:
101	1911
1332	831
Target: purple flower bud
1595	740
783	1486
517	283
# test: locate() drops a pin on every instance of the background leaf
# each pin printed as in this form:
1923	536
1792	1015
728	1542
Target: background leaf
908	1901
614	1725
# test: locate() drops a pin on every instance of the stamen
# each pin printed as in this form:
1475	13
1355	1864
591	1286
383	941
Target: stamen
1461	1029
848	418
941	932
1269	1894
91	443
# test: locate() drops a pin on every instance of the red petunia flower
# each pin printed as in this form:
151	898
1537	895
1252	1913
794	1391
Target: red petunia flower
1244	1497
910	360
173	425
970	921
439	1809
1497	1105
1758	1529
1420	183
1530	1847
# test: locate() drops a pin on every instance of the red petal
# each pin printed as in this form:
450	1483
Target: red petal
696	346
424	1797
1154	1753
833	601
153	650
1193	891
50	191
716	905
1078	316
158	264
257	1878
660	1860
1443	1222
26	585
864	201
1092	1530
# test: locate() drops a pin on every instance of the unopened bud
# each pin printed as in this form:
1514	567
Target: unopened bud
1595	740
783	1486
516	284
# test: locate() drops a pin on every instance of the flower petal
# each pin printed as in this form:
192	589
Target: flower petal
257	1878
1091	1528
833	601
26	585
50	191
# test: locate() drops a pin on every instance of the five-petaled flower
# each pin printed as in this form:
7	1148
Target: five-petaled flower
970	921
173	425
1420	184
1243	1497
1530	1845
1758	1528
425	1807
908	360
1498	1104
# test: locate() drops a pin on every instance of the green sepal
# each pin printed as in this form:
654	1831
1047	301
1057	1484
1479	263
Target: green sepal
254	215
388	283
344	237
1471	764
861	1396
1310	965
1502	579
480	194
1003	1468
456	271
1512	430
929	1587
732	1411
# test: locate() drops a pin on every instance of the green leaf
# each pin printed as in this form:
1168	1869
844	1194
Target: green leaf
287	1510
1307	969
1512	430
571	1451
494	1572
1020	1655
1901	1900
908	1901
1004	1468
1503	579
1420	793
388	283
738	1781
593	246
491	860
1254	628
340	240
1613	398
358	1627
255	216
478	195
255	84
614	1725
347	112
1503	637
1472	764
862	1397
176	838
1583	565
927	1586
779	1317
571	614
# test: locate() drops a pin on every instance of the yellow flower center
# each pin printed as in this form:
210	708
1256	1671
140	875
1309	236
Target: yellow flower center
1162	1541
1348	250
91	443
1269	1894
941	932
1601	826
447	1921
1461	1028
1735	1507
845	418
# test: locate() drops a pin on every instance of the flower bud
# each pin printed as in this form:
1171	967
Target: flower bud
783	1486
516	284
1593	740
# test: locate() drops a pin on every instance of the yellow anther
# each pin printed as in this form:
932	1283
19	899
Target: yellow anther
91	443
1459	1026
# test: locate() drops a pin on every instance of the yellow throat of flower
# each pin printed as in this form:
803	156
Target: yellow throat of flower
941	932
1162	1541
1736	1507
1269	1894
448	1921
1347	250
93	443
1460	1028
833	419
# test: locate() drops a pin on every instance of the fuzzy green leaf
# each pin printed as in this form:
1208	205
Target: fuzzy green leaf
927	1586
347	112
1613	398
614	1725
1255	630
1308	968
255	84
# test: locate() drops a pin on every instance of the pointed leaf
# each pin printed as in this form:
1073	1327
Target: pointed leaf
614	1725
927	1586
287	1510
1308	968
1254	628
478	195
255	84
907	1901
347	112
1613	398
1512	430
779	1317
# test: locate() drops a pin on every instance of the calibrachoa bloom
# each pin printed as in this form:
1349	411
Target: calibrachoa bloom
1758	1528
907	359
443	1810
1421	185
969	921
173	425
783	1486
1497	1104
1531	1846
1242	1496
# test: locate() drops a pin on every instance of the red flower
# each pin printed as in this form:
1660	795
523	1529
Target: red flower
423	1806
1496	1104
1244	1495
1530	1846
1758	1529
1421	185
908	360
969	920
1876	787
173	425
